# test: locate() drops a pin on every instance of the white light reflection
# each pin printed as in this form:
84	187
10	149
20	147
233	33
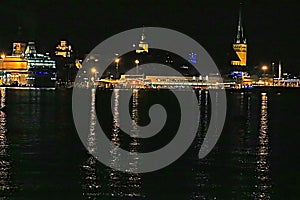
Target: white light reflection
134	180
91	185
92	134
115	184
244	154
201	176
124	184
263	166
5	165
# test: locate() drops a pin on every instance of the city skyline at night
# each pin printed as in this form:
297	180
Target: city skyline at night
269	26
104	99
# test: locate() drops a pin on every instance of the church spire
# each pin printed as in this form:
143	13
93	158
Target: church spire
240	30
143	45
143	36
240	44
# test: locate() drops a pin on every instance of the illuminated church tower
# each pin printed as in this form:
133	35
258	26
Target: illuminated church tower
143	45
240	45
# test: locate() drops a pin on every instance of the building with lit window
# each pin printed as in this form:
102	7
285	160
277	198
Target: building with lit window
13	70
64	49
41	68
19	49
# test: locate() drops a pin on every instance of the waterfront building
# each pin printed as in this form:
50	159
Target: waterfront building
64	49
18	49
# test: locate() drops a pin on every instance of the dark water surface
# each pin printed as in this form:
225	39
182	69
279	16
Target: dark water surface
256	157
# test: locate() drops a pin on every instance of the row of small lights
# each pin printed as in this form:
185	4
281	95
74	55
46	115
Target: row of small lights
117	60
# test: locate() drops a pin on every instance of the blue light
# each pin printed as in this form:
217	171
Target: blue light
248	86
42	73
193	58
237	74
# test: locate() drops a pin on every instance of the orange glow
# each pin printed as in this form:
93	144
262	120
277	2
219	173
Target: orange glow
14	63
241	52
78	64
265	67
93	70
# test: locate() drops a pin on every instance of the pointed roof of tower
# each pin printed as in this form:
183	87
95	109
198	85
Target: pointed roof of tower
240	38
143	36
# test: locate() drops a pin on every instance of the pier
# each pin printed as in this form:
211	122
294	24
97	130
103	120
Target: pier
180	82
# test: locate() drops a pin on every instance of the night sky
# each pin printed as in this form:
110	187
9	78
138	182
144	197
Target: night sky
272	29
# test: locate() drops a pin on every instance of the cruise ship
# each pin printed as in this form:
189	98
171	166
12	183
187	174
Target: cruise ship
26	67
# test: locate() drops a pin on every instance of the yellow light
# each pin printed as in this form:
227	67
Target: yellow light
3	56
137	62
117	60
93	70
265	67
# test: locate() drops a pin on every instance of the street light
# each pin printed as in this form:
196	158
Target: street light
93	70
264	68
273	73
137	66
117	60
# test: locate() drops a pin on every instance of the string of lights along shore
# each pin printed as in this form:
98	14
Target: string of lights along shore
26	67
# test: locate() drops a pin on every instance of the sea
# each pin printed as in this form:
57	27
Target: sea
256	157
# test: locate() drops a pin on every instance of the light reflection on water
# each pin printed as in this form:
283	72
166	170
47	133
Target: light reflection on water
119	184
124	184
5	165
201	176
244	155
239	167
263	165
244	151
91	184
